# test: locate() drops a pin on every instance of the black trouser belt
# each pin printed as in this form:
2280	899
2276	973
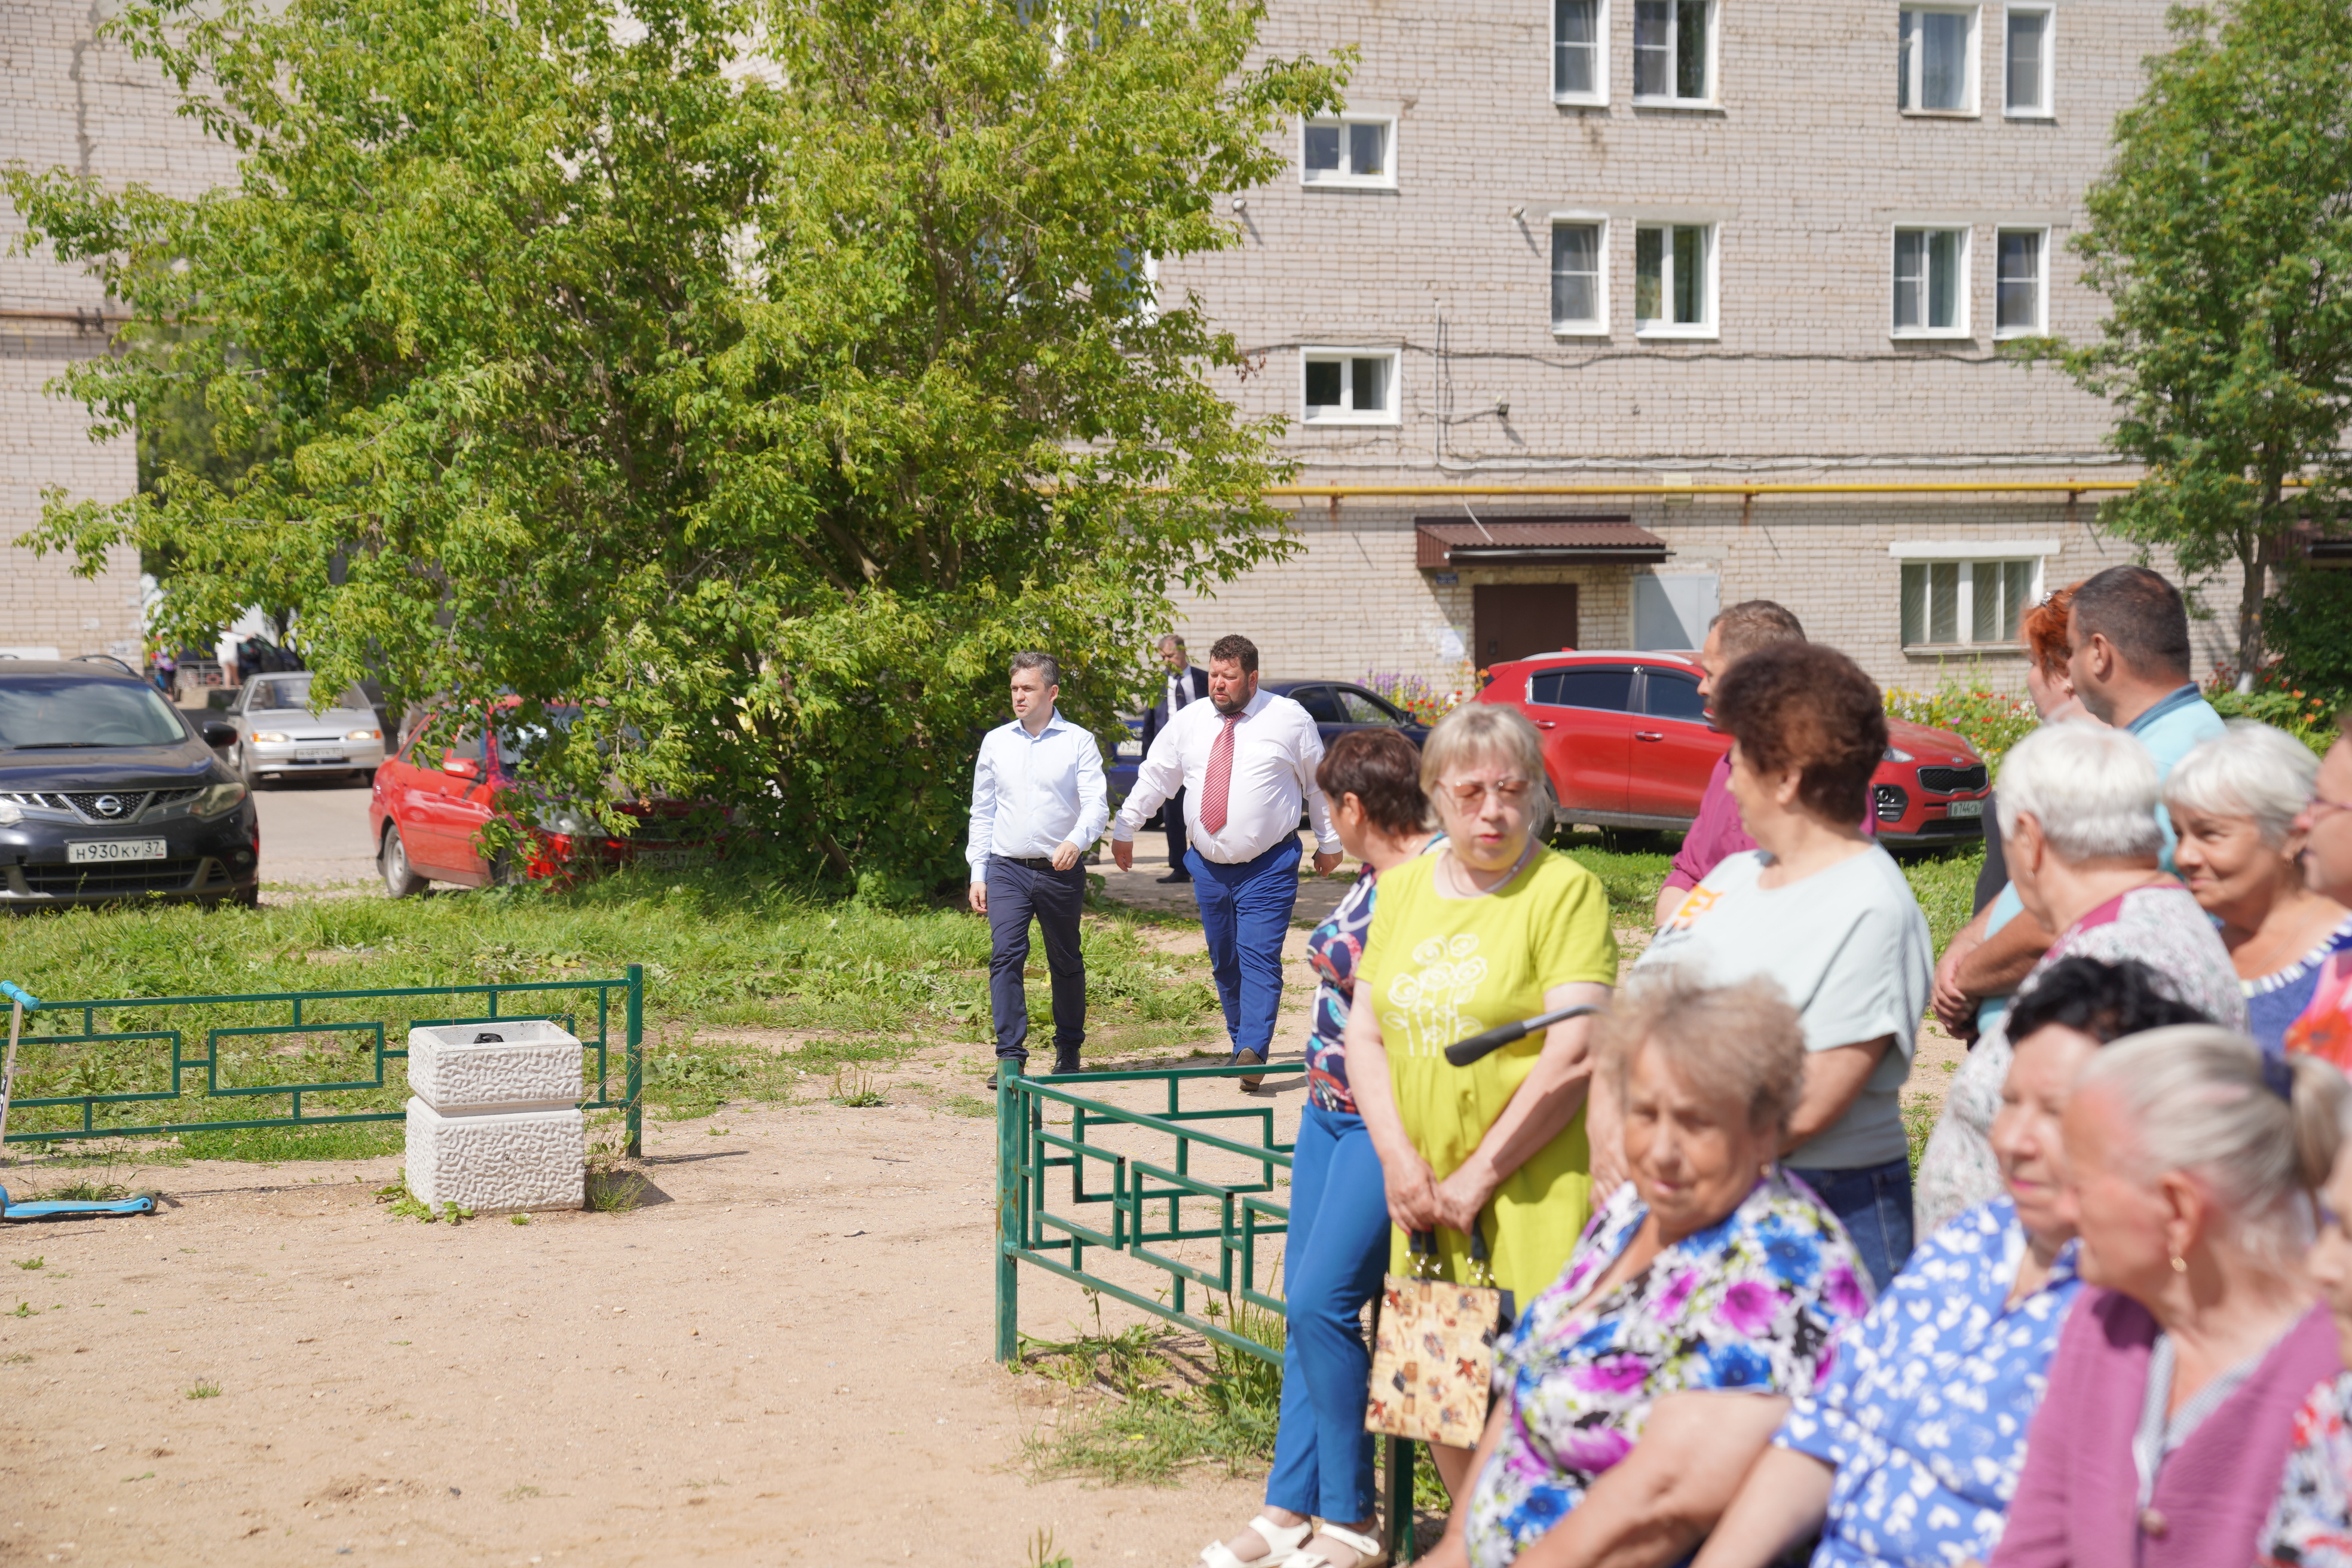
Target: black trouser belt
1035	862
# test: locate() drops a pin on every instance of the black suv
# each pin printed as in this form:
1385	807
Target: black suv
108	793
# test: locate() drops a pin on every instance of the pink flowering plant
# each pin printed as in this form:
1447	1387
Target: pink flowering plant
1989	720
1424	699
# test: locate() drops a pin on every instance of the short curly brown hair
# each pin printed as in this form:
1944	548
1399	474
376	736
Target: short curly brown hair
1800	705
2044	633
1383	770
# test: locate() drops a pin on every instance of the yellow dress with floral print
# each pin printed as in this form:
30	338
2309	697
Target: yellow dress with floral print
1438	970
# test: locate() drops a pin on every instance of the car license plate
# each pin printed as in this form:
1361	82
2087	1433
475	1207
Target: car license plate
665	859
98	852
317	754
1965	808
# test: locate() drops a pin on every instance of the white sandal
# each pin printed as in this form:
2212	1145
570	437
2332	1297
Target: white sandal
1368	1550
1282	1542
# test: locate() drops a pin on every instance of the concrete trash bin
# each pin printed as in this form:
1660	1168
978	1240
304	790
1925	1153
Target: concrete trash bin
494	1121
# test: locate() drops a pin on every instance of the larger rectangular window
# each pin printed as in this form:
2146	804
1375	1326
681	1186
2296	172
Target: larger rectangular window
1673	279
1931	273
1673	51
1938	60
1957	603
1578	291
1349	387
2018	283
1580	51
1349	151
2027	69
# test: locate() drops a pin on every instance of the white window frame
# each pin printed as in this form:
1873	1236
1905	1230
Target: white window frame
1912	66
1598	326
2040	283
1384	181
1711	326
1599	96
1348	414
2049	110
1970	555
1714	60
1967	232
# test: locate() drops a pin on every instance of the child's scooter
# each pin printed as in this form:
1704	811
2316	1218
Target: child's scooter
19	1004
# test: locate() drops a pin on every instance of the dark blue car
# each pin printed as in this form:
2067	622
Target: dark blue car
1335	706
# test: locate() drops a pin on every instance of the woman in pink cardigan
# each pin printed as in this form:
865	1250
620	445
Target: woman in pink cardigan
2191	1159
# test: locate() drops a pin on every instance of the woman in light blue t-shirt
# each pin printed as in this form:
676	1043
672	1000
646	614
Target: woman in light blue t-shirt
1819	908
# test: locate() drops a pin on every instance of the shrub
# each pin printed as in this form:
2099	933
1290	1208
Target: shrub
1415	695
1991	721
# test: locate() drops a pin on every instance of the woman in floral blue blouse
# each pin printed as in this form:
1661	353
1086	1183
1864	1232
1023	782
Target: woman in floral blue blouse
1635	1392
1338	1239
1908	1454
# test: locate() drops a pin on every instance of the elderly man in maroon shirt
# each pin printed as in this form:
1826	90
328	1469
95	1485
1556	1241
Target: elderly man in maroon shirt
1717	834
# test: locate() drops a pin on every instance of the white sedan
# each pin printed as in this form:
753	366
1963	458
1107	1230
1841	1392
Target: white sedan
278	737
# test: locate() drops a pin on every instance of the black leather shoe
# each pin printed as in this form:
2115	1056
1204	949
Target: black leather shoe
1017	1068
1177	877
1069	1063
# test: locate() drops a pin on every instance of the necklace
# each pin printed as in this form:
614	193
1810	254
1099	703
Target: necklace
1465	888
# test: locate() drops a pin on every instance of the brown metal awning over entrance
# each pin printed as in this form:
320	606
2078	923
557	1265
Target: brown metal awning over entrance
1451	542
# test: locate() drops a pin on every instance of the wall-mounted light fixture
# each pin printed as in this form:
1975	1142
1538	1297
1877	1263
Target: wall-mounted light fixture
1518	213
1241	203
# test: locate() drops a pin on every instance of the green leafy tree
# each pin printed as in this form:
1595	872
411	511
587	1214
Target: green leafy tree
759	377
2222	236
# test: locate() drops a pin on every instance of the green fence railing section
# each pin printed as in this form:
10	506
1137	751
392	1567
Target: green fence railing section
84	1065
1146	1209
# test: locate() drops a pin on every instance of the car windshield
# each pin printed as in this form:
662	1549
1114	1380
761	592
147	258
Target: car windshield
516	743
39	711
282	693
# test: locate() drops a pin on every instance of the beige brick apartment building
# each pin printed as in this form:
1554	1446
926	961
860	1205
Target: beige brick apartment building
1704	242
67	101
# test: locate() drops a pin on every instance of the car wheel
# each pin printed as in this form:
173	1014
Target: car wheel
248	897
400	879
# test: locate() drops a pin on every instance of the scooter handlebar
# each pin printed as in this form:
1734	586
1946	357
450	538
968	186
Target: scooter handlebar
18	995
1461	1053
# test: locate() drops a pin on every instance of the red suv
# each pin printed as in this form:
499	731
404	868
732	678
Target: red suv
1627	744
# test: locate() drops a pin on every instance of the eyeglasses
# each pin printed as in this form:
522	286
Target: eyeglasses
2319	806
1507	792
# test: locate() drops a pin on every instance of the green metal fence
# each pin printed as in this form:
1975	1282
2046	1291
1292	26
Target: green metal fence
82	1064
1120	1201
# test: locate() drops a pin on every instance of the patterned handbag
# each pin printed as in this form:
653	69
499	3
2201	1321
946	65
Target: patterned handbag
1434	1348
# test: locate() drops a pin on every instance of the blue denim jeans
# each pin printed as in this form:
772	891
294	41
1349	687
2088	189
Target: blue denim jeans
1016	894
1245	914
1874	1203
1338	1248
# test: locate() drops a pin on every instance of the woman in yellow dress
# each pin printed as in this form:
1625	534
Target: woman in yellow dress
1495	927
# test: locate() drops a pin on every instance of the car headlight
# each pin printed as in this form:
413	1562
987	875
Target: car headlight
11	814
271	736
1897	755
217	798
364	735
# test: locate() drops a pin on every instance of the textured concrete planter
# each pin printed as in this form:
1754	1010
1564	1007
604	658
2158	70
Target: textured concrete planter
494	1124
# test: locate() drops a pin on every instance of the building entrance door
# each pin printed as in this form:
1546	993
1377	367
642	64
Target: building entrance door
1513	620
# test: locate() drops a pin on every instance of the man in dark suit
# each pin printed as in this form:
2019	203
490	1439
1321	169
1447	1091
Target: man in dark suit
1180	684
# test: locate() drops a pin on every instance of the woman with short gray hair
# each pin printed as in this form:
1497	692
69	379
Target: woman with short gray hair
2192	1158
2233	802
2077	806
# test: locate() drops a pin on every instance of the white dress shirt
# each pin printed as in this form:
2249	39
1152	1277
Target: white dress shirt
1032	794
1275	750
1177	694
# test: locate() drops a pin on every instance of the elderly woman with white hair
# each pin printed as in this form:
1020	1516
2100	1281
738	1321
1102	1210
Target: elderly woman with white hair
2233	802
2078	826
2192	1159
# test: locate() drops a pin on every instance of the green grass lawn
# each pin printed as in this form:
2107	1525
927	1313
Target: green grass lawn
752	992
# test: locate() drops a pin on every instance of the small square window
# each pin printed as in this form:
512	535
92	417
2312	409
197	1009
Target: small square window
1673	279
1578	291
1959	604
2019	283
2028	70
1673	51
1349	387
1580	51
1347	151
1938	72
1931	283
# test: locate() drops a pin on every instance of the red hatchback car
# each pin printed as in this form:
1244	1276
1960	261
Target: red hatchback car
1627	744
431	802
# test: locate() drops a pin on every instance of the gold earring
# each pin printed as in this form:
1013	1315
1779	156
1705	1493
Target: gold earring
2178	1266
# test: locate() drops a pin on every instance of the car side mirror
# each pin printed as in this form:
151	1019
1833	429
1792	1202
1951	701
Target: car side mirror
219	734
464	767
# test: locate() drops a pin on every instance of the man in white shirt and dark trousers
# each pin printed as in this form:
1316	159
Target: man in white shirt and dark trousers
1037	801
1245	761
1181	687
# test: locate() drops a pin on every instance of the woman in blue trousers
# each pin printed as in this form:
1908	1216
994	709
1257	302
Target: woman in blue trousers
1339	1240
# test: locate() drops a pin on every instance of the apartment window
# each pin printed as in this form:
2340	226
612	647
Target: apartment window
1939	60
1673	279
1350	386
1931	273
1673	51
1957	603
1580	51
1578	250
2019	283
2027	68
1349	151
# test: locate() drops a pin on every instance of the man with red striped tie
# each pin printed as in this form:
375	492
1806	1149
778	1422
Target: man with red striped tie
1245	760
